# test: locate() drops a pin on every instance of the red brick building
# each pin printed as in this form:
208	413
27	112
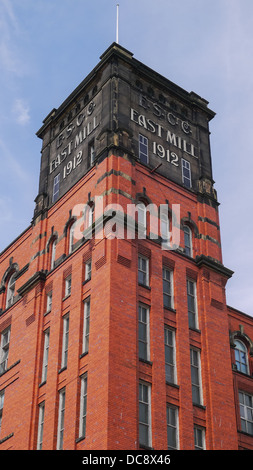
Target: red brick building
114	328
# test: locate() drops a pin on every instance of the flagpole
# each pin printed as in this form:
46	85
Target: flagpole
117	26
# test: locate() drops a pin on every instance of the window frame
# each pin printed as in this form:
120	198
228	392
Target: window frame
87	270
91	152
2	392
53	253
174	427
40	425
142	214
144	326
56	184
86	325
186	179
44	368
83	405
197	430
147	404
65	341
143	141
187	243
172	347
192	314
247	409
142	272
165	223
68	285
49	301
10	294
196	372
4	349
169	295
71	238
61	416
238	361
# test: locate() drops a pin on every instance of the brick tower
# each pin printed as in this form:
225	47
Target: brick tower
114	326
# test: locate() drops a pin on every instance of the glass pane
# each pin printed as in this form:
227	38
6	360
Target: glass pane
143	413
250	428
195	394
171	437
142	332
191	316
242	414
141	277
191	304
243	425
248	401
168	354
169	373
166	300
143	351
143	434
166	287
249	414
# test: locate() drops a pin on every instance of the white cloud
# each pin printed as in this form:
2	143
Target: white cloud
21	111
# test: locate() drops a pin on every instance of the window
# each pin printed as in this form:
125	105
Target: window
192	304
165	227
196	377
4	351
53	251
142	214
56	188
71	238
67	286
1	406
187	240
143	149
65	341
45	356
170	355
143	270
61	413
10	291
144	349
167	288
86	326
91	215
88	270
40	425
49	302
199	438
83	406
172	427
145	415
246	412
241	359
91	153
186	173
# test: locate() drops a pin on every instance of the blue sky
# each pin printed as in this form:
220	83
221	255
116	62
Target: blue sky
47	47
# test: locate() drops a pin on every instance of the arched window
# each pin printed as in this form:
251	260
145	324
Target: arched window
53	251
165	226
10	290
71	237
142	214
241	358
88	217
91	215
187	240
